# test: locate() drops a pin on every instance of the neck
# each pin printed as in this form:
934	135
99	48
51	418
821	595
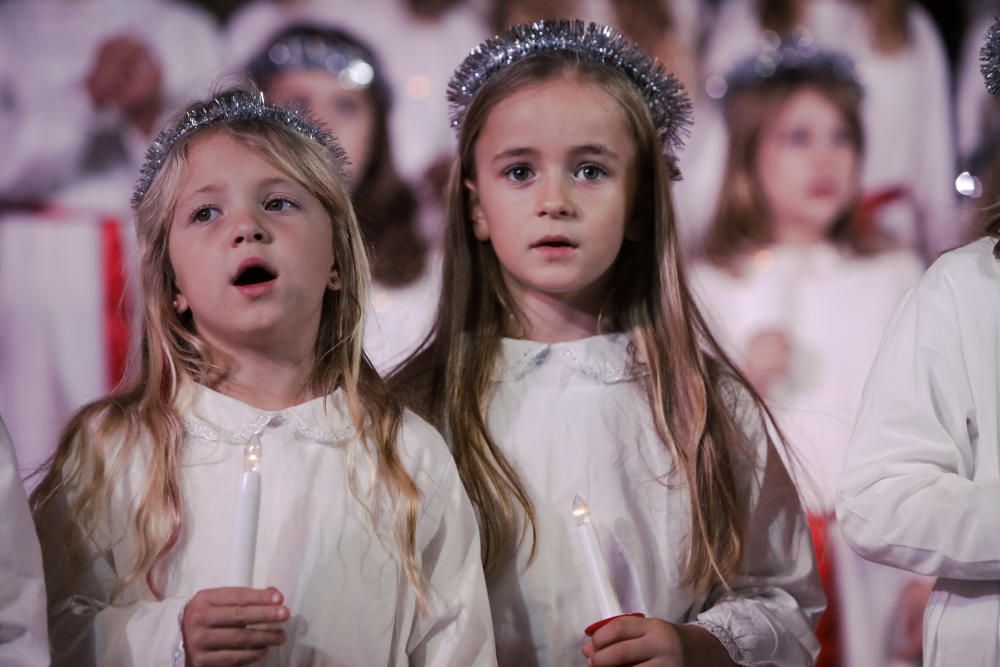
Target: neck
798	233
552	319
265	381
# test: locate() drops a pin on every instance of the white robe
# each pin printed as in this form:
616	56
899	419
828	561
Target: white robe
834	308
572	419
350	600
399	318
921	483
51	133
23	634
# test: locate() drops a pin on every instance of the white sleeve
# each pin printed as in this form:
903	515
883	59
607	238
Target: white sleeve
934	171
88	631
44	146
457	628
907	497
23	634
767	617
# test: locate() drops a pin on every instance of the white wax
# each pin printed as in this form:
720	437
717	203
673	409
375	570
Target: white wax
607	599
245	541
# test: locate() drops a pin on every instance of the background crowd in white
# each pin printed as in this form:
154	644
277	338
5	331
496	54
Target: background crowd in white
85	84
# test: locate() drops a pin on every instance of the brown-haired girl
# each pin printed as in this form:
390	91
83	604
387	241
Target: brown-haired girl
906	113
570	361
358	545
338	78
799	292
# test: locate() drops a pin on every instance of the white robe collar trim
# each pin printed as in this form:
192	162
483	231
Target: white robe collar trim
608	358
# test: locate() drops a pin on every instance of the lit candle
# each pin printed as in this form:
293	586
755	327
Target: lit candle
247	513
606	597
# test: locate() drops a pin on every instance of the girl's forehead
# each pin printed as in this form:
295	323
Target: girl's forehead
562	110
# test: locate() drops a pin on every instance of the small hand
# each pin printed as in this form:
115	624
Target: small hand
768	359
127	77
220	626
908	646
630	640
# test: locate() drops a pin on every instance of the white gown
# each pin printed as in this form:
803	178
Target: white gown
399	318
572	419
834	308
921	482
81	163
350	600
23	634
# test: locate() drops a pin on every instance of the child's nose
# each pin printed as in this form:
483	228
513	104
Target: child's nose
554	199
249	230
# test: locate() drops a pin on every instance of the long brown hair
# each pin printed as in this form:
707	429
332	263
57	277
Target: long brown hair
451	381
139	425
890	28
741	222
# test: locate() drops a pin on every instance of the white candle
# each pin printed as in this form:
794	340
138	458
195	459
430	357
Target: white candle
247	513
606	597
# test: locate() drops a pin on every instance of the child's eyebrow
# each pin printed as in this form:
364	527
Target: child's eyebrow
594	149
278	180
514	152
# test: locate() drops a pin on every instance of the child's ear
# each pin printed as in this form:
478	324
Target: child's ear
333	284
479	227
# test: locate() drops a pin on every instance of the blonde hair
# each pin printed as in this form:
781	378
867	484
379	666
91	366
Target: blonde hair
105	437
451	381
741	222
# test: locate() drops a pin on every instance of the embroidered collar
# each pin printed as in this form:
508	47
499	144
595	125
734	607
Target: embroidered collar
607	358
216	417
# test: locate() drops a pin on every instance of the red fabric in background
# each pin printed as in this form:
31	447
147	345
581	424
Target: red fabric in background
828	629
116	307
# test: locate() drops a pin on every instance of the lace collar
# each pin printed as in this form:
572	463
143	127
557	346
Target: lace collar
607	358
216	417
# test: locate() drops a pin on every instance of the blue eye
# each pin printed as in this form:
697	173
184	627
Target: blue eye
591	172
280	205
205	214
518	173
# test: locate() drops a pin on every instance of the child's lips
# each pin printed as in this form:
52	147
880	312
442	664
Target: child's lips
555	246
822	190
254	277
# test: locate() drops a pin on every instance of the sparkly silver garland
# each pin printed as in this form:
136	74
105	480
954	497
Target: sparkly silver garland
668	101
330	50
231	106
788	58
989	58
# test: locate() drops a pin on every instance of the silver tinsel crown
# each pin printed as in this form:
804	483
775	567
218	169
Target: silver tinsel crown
231	106
788	59
668	101
989	58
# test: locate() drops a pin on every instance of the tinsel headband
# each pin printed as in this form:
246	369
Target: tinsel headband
667	100
989	57
790	59
231	106
329	50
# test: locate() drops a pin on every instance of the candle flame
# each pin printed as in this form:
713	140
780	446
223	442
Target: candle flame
580	510
251	456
